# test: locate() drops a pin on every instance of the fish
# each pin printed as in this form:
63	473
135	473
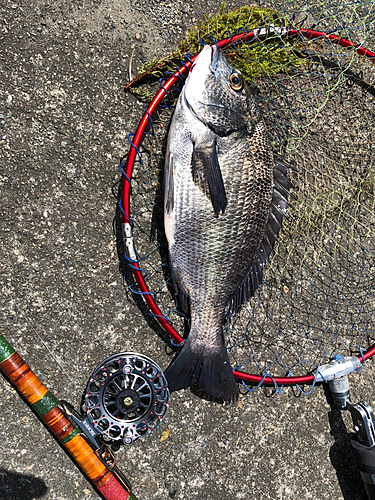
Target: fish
225	197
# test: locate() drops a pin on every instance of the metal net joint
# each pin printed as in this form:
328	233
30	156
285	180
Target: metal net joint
127	228
338	369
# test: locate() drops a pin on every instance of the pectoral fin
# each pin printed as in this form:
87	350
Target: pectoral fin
207	175
168	183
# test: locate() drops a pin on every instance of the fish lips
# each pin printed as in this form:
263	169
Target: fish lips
214	58
209	54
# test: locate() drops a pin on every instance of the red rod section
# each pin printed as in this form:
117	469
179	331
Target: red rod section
126	185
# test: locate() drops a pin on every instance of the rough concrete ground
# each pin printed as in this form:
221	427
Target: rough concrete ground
63	304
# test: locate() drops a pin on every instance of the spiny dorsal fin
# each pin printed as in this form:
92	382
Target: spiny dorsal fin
207	175
254	277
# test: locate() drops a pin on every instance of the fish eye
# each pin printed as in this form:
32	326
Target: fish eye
235	81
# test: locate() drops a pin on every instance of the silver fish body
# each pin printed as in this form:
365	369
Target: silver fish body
221	213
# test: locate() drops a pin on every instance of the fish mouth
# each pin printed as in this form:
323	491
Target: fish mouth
214	58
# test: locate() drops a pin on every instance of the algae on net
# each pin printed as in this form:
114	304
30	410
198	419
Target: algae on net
260	58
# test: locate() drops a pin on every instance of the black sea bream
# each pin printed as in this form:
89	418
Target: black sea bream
225	195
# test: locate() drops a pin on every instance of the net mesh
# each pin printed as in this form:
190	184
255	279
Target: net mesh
317	300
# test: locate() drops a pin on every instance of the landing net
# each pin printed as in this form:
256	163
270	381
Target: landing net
312	68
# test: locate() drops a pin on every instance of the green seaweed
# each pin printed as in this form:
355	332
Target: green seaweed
263	58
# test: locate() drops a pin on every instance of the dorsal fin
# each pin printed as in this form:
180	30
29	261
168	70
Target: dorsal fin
254	276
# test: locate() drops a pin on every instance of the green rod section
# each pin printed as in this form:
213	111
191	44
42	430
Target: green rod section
6	350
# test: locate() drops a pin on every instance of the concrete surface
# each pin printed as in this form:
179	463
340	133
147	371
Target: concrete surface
63	303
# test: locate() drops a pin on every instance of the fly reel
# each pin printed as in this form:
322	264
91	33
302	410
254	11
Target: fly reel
126	397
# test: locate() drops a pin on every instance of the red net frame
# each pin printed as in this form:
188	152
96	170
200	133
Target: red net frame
248	37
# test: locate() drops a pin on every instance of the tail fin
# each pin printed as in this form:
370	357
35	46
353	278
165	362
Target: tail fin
211	368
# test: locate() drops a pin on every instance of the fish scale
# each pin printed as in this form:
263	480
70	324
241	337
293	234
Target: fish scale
218	241
217	202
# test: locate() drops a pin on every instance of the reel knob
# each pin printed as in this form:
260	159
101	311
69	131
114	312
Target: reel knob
126	397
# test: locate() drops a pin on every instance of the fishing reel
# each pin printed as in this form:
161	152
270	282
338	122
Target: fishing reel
125	399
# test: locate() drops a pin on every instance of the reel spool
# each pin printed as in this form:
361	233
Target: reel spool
126	397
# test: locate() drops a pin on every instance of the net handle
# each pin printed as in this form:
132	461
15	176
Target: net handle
249	37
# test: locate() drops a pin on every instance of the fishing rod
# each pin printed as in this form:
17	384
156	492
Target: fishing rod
125	399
